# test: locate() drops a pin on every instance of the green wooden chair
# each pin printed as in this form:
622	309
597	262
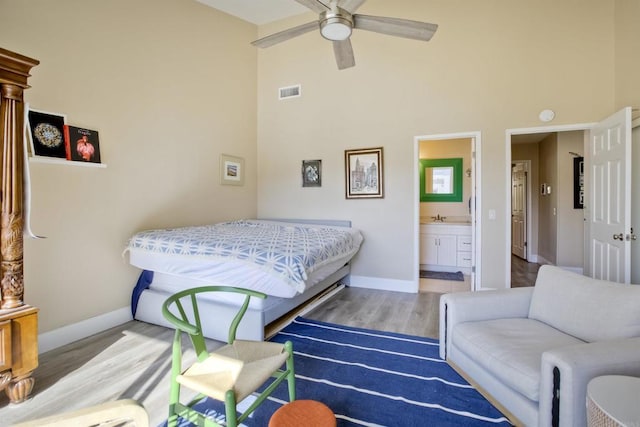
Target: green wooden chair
228	374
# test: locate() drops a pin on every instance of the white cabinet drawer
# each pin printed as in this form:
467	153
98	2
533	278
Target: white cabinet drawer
464	243
464	259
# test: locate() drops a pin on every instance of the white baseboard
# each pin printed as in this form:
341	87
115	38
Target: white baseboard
543	261
384	284
578	270
70	333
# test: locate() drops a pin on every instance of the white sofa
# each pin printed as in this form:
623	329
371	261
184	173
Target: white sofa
533	350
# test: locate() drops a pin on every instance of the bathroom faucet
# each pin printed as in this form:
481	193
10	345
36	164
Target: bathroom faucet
439	218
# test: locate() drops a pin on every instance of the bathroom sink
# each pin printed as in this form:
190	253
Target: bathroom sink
446	222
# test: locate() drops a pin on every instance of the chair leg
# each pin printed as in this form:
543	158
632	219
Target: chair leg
291	378
174	389
230	408
174	398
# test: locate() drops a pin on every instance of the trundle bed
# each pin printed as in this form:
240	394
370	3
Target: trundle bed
290	260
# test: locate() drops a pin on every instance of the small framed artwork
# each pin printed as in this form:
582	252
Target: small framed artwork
312	173
82	145
231	170
578	182
364	173
46	134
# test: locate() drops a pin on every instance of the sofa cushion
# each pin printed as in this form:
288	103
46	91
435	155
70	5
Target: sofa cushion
589	309
510	349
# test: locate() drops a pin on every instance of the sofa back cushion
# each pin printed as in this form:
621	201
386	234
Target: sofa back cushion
589	309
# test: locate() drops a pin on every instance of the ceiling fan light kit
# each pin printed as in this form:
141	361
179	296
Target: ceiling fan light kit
337	20
336	26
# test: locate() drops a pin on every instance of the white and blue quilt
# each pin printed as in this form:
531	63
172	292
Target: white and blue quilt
288	252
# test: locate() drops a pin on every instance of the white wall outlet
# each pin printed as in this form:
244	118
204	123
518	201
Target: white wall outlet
492	214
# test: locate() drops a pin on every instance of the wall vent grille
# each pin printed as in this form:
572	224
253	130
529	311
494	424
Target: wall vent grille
290	92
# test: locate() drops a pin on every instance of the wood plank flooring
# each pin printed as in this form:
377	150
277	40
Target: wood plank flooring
523	273
133	359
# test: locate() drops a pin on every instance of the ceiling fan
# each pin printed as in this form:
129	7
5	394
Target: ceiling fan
338	19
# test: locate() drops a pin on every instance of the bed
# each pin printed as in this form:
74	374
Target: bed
291	261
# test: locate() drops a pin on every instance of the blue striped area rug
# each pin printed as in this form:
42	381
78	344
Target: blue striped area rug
373	378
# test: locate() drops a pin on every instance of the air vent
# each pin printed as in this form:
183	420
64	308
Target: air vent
289	92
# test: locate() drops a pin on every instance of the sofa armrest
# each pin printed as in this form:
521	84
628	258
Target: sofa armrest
482	305
576	365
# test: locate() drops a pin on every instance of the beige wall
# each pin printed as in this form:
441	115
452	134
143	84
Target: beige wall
491	66
548	220
169	84
627	60
448	149
570	221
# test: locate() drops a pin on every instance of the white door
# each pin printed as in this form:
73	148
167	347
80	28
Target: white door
610	195
519	210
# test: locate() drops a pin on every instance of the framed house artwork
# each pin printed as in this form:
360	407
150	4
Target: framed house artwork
312	173
231	170
364	173
46	134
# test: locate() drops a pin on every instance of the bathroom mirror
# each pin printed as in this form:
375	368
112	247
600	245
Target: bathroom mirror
441	180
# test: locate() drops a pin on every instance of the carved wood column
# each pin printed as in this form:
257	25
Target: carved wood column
14	72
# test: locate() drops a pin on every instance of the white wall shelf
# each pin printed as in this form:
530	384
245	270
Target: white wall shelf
51	160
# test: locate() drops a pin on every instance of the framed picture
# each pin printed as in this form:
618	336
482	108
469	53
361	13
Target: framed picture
46	134
312	173
364	173
578	182
231	170
82	145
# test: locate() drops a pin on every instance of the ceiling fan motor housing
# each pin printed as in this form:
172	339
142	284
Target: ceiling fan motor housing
336	24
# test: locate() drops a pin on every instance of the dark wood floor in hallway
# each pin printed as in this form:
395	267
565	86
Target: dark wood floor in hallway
523	273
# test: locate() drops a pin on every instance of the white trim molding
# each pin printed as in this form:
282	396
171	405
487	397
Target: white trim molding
382	284
67	334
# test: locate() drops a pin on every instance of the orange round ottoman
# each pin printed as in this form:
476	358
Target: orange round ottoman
299	413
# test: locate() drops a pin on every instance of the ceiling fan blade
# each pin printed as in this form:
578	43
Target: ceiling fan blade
351	5
285	35
344	54
395	27
315	5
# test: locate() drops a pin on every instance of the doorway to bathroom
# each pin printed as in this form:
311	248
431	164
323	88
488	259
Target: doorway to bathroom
447	232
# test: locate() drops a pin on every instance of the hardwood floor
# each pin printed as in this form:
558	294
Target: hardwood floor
523	273
133	359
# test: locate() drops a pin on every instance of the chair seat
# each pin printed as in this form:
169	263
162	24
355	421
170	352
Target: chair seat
242	366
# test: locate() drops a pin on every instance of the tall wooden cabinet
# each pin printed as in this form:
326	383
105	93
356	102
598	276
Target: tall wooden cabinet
18	322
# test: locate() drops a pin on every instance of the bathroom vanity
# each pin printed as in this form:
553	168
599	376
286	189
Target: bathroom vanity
445	247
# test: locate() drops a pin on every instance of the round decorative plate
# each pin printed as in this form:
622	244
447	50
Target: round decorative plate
48	135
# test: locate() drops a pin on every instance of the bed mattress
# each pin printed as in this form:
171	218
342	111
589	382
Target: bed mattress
279	259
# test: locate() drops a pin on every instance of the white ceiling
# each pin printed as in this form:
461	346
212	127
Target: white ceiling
258	11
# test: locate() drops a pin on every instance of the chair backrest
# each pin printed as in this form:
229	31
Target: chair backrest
181	310
589	309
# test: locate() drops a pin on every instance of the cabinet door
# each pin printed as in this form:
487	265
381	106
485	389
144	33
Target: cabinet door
428	249
447	250
5	345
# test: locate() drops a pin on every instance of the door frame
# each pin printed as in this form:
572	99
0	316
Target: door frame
523	131
476	211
